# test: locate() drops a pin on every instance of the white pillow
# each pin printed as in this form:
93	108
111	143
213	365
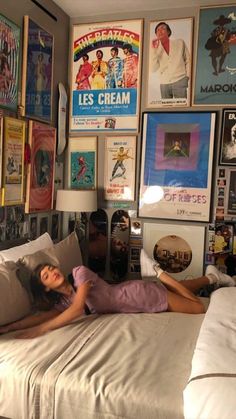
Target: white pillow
68	253
33	246
14	299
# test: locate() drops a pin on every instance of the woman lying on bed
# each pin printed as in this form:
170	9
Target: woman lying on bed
69	301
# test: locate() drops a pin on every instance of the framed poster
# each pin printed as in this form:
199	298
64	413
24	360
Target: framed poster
40	177
231	193
55	226
176	165
82	154
37	72
178	248
228	138
13	162
215	62
170	62
1	148
33	227
44	224
105	76
120	162
9	68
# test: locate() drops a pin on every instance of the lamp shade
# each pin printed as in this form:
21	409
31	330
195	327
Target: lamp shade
73	200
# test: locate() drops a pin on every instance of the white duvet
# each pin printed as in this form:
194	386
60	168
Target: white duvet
211	391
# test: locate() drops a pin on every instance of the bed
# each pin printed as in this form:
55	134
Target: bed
129	366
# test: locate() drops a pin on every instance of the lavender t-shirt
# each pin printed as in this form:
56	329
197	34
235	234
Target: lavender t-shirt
134	296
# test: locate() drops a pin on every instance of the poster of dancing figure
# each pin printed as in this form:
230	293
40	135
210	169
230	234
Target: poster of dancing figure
82	163
120	156
9	63
228	138
105	76
216	57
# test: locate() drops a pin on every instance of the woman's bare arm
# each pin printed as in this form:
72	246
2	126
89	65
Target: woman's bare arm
30	321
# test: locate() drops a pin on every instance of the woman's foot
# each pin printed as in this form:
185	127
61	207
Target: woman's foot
149	267
218	278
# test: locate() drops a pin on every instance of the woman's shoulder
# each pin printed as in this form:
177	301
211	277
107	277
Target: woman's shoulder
82	274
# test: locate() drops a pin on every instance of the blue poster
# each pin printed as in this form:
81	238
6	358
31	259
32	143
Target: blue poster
83	170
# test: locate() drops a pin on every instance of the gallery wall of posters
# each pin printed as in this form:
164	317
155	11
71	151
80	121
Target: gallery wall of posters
216	50
228	138
170	62
82	162
178	248
120	163
105	76
40	178
13	161
176	165
10	50
37	72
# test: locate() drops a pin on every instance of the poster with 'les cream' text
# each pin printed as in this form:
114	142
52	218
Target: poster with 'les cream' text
105	76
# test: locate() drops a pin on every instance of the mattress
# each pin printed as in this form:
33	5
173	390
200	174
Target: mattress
129	366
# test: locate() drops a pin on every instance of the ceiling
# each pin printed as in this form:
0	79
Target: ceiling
83	8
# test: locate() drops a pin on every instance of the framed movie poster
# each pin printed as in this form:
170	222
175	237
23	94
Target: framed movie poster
13	161
37	72
231	192
82	154
176	165
179	249
228	138
105	76
9	69
170	62
40	177
120	162
215	63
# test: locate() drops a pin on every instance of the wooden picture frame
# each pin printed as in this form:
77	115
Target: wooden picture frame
37	72
105	76
215	64
170	72
10	52
178	248
176	165
13	161
40	178
82	162
120	164
228	138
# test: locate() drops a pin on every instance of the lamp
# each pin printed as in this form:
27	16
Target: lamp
74	200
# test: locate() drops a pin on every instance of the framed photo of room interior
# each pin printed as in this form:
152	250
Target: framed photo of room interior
105	76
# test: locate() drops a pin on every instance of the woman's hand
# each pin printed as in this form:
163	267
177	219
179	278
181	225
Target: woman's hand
32	332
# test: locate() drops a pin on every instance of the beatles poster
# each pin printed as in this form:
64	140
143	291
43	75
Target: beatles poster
120	157
216	57
37	71
170	62
176	165
105	76
228	138
40	179
9	63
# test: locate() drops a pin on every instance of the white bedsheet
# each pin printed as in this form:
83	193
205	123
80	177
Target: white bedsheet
211	391
131	366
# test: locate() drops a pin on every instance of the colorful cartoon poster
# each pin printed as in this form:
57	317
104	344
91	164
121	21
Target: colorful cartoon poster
13	161
82	162
170	62
9	63
120	159
176	165
105	77
40	179
37	72
216	57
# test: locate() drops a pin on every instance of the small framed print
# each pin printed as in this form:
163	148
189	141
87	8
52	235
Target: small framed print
37	72
55	226
120	162
9	73
44	225
170	61
13	162
40	179
82	154
176	165
228	138
178	248
231	192
33	227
